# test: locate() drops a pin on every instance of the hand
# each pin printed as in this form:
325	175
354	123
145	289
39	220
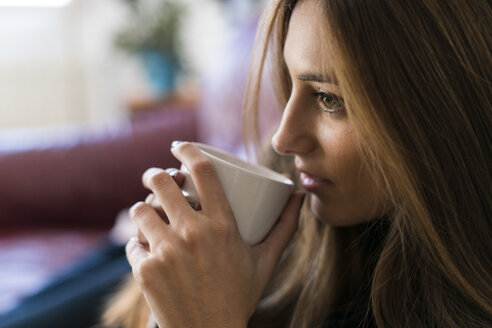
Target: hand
197	271
154	202
124	227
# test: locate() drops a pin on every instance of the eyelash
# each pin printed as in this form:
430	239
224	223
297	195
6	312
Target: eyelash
337	108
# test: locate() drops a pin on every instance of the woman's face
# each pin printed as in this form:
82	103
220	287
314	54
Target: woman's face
315	128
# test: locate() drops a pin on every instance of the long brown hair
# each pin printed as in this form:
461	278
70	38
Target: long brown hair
416	77
417	80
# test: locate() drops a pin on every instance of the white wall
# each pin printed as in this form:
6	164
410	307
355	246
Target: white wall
56	65
59	66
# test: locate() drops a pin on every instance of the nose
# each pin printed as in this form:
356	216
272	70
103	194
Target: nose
295	135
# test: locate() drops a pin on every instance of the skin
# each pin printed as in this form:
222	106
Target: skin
192	266
196	271
315	128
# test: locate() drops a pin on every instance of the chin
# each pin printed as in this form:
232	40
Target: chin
334	214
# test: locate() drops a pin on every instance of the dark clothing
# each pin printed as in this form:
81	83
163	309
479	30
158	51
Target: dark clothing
350	320
76	298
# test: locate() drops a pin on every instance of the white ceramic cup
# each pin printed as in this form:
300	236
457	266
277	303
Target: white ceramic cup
255	193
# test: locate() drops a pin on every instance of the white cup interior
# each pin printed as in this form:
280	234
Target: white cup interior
240	164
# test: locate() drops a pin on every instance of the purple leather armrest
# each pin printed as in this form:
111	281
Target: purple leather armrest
87	183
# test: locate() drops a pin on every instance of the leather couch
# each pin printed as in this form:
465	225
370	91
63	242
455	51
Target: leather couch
59	200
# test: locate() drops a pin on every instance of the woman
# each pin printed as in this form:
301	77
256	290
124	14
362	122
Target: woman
388	118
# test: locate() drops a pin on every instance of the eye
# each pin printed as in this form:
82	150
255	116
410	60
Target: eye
329	102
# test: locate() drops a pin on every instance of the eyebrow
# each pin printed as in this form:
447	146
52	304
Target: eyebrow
317	78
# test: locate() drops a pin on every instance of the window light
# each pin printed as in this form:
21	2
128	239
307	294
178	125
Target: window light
34	3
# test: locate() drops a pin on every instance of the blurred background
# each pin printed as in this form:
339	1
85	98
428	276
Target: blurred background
91	61
93	92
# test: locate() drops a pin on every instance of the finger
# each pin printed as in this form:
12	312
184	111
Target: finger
141	239
205	179
282	232
153	228
154	202
150	198
176	174
135	252
167	193
179	177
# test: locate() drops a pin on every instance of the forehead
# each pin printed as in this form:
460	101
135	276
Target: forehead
306	47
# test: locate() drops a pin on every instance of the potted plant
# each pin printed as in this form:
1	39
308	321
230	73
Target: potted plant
153	35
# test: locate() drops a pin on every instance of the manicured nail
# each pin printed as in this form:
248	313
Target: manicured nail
153	170
176	143
150	198
150	173
173	173
195	206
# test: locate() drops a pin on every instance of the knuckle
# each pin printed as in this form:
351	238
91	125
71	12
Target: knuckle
166	253
186	146
160	180
141	238
139	210
203	167
225	230
190	235
144	272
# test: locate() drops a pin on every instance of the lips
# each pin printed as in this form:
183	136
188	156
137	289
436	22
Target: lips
313	183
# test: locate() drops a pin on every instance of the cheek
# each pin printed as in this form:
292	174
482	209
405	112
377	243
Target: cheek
356	190
342	157
364	192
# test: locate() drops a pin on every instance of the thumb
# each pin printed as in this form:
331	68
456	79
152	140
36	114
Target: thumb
282	232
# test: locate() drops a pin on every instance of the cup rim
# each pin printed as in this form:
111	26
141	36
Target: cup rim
260	170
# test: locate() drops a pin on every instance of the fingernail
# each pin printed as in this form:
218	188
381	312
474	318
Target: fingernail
132	209
153	170
175	143
173	174
195	206
150	173
150	198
